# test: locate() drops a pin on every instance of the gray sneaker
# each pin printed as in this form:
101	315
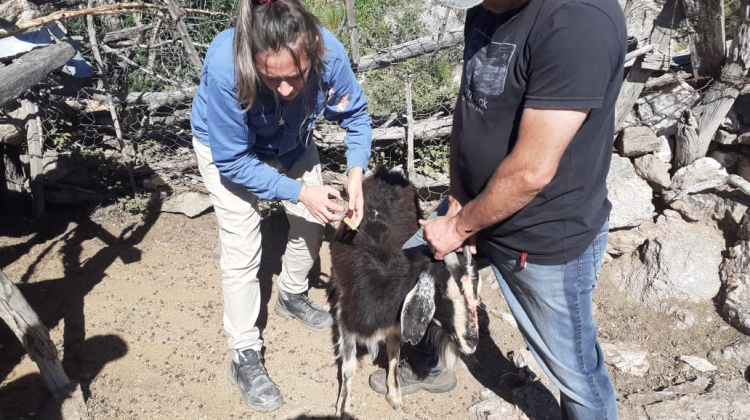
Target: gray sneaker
300	306
250	376
435	382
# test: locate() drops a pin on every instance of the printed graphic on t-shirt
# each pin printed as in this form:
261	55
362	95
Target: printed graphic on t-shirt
486	69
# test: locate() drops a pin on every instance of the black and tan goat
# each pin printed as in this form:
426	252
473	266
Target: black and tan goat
381	294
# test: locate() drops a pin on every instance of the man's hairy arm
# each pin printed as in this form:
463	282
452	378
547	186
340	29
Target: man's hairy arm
543	137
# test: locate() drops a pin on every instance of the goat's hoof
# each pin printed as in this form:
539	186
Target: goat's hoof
395	402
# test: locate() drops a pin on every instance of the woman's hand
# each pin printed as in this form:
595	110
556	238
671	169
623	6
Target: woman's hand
315	198
354	194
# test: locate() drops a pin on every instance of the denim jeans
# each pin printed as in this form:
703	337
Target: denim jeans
553	308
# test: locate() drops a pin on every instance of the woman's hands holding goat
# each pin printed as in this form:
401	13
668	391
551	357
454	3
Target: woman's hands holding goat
318	201
315	198
443	233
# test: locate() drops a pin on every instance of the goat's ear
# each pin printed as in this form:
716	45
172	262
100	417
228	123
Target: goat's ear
419	307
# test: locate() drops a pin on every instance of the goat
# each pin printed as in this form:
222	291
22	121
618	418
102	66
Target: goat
380	293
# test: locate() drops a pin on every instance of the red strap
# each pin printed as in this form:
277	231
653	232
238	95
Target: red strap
523	259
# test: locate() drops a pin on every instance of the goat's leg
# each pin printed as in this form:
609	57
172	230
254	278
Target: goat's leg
348	355
393	348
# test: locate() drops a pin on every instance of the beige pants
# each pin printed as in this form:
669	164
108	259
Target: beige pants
239	232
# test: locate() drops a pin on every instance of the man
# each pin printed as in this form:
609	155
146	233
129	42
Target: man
530	151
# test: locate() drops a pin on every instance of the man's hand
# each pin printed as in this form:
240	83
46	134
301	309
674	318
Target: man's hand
443	233
356	210
315	198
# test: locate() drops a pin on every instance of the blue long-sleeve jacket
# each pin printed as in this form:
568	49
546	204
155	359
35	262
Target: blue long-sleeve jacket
237	137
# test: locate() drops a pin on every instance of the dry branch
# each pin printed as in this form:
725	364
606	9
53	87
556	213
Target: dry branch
110	9
411	49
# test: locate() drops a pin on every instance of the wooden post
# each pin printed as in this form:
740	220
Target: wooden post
705	22
409	133
187	41
34	141
16	312
351	21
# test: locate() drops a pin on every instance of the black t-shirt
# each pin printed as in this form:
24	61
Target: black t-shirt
550	54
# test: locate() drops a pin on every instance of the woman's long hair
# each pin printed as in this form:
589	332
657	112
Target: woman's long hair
274	26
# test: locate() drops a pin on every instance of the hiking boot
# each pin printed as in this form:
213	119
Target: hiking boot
300	306
251	377
435	382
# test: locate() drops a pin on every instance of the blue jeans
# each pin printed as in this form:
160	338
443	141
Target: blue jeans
553	308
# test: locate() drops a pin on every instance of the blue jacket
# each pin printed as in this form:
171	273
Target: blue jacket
237	138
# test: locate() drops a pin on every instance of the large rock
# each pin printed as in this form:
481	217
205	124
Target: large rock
637	141
630	195
654	171
625	241
681	262
702	170
735	274
662	110
726	401
738	350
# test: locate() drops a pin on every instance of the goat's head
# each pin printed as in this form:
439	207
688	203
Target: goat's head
449	298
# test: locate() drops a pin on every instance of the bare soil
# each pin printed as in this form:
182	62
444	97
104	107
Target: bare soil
134	305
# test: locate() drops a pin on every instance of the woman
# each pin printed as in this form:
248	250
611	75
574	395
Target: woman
263	85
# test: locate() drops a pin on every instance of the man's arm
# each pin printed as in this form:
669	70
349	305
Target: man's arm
543	137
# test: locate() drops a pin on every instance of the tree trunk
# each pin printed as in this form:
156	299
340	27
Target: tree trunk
35	66
705	22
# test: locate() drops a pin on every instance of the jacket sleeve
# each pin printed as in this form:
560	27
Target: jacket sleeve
345	102
231	142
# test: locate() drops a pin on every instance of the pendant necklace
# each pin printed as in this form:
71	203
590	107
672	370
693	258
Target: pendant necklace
282	114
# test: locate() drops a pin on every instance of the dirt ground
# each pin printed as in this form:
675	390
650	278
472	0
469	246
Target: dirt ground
133	304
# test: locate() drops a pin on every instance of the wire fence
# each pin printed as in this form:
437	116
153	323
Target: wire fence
125	131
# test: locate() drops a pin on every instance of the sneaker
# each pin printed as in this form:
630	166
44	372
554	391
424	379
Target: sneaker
300	306
256	387
435	382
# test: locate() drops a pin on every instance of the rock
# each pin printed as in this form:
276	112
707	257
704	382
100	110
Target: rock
726	400
530	402
696	386
731	122
670	266
624	241
744	231
698	363
653	170
735	274
189	203
664	153
626	357
662	110
738	350
506	316
744	138
497	408
702	170
727	159
637	141
723	137
701	207
743	168
630	195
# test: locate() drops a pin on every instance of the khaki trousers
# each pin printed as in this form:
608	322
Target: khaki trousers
239	232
